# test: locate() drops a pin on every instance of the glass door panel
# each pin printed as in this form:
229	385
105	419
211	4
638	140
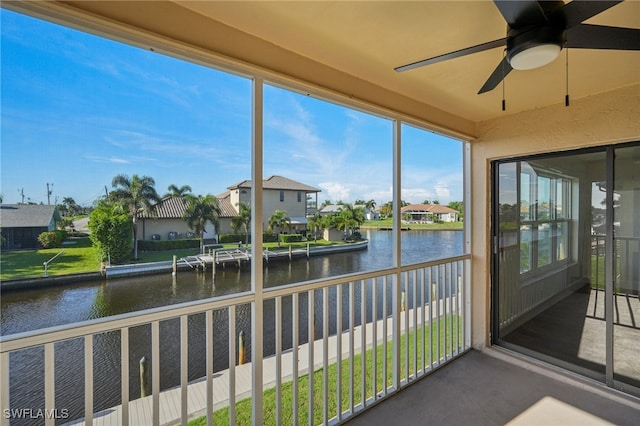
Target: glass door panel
626	305
547	305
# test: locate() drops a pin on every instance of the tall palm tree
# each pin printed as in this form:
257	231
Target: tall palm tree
278	220
174	191
200	210
243	220
136	194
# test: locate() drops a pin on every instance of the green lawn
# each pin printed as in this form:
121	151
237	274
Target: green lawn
388	223
243	408
79	256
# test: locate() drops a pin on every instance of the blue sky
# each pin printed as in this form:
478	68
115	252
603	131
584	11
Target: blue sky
78	109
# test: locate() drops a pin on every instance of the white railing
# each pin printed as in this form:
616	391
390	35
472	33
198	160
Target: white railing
371	334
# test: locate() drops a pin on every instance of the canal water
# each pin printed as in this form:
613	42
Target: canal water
46	307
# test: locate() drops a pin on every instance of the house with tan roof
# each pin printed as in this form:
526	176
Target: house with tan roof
165	221
428	213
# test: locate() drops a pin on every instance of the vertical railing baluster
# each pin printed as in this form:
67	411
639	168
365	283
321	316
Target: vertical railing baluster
124	374
374	338
406	325
210	366
438	338
4	385
325	354
339	308
294	348
423	305
363	341
430	319
385	331
278	338
311	360
184	368
415	323
49	381
449	272
232	365
351	354
88	379
155	370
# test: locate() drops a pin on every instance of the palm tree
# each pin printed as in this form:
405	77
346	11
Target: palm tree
200	210
174	191
70	206
243	220
278	220
315	223
350	218
135	194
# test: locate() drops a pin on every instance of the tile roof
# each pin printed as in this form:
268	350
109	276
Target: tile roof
27	215
277	182
174	207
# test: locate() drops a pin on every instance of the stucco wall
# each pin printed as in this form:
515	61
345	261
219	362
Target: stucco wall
607	118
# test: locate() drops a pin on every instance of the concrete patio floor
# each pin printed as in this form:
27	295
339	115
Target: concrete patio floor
497	388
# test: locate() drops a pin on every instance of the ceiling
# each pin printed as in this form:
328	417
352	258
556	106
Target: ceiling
368	39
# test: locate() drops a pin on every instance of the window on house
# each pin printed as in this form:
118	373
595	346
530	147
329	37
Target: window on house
299	196
281	196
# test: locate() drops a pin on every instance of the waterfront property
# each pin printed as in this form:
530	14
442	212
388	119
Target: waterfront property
428	213
530	286
165	220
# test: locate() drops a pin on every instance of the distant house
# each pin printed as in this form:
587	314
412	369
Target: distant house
22	223
428	213
279	193
165	221
369	214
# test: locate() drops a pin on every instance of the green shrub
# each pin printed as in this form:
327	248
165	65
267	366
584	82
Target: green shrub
50	239
291	238
154	245
111	232
267	237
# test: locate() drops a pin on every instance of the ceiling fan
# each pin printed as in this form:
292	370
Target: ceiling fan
538	30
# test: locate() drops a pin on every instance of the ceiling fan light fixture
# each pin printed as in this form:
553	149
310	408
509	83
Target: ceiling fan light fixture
535	56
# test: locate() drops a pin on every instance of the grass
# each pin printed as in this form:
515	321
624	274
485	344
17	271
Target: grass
79	256
388	223
243	407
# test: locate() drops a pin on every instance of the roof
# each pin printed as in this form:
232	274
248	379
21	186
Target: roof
174	207
427	208
27	215
278	182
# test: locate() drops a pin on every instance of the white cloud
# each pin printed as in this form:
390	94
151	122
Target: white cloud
335	191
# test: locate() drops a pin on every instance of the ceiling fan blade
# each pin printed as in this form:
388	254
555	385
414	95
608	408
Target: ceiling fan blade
576	12
458	53
521	13
586	36
497	76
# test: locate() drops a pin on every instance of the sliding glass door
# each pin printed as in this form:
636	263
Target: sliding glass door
566	259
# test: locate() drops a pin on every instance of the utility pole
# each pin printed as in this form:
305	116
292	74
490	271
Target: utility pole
49	192
21	191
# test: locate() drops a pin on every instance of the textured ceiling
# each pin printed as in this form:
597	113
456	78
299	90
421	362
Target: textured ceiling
369	38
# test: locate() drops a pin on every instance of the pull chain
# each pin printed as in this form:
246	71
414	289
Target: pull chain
566	96
504	103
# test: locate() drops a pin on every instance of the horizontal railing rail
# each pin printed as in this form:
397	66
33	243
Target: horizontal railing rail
360	337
